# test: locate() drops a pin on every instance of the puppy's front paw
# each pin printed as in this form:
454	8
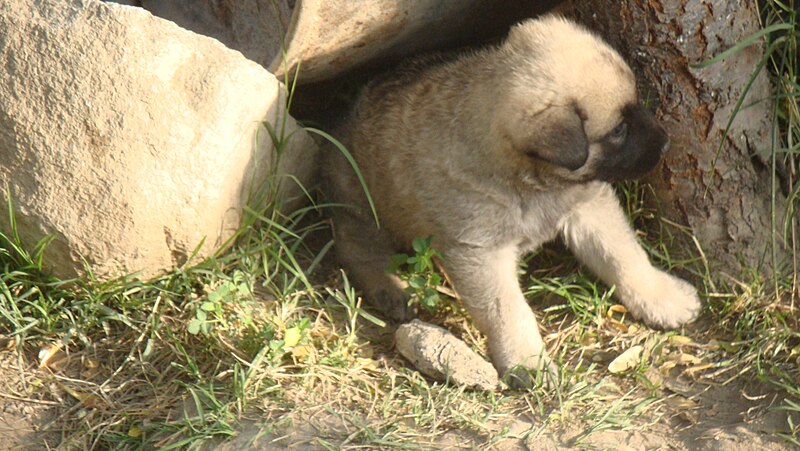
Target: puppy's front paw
523	376
666	304
524	369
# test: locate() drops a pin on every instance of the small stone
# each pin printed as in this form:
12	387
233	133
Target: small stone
438	354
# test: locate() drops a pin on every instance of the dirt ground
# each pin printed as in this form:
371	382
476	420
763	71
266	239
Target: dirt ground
722	419
732	417
25	418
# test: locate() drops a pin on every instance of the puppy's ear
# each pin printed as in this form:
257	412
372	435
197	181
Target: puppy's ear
558	137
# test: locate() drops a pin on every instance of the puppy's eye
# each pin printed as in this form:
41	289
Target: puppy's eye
619	133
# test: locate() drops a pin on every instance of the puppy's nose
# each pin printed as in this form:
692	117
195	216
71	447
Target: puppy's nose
665	147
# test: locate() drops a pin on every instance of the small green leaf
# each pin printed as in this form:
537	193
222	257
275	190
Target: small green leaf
208	306
416	282
399	259
194	327
276	345
148	349
303	324
420	245
431	300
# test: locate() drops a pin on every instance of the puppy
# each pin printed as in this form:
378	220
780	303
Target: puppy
494	153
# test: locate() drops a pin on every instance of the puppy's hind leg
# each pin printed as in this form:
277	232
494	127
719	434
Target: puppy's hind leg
365	252
600	236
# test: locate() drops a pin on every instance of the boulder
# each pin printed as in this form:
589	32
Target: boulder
254	27
325	38
131	141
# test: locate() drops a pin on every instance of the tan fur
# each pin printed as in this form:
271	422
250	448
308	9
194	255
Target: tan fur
492	154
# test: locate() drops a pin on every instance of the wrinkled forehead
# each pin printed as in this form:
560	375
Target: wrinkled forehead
596	76
571	65
606	88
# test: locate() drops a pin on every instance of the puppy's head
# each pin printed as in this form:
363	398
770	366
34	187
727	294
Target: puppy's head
569	106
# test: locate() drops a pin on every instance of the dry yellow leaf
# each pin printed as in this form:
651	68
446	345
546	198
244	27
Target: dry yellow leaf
697	368
367	364
292	337
713	345
87	399
679	340
617	308
621	326
685	359
302	352
6	343
627	360
50	354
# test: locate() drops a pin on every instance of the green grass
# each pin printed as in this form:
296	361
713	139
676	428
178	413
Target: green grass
269	333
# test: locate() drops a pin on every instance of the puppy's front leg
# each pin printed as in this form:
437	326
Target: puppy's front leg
600	236
486	280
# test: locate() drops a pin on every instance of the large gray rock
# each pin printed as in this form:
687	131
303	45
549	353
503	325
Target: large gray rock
254	27
325	38
130	140
328	37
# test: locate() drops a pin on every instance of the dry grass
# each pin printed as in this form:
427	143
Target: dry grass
299	360
268	344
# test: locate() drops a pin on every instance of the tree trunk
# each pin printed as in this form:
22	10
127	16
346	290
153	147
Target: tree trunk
723	193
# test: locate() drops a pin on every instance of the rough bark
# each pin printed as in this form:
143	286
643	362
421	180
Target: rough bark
724	195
